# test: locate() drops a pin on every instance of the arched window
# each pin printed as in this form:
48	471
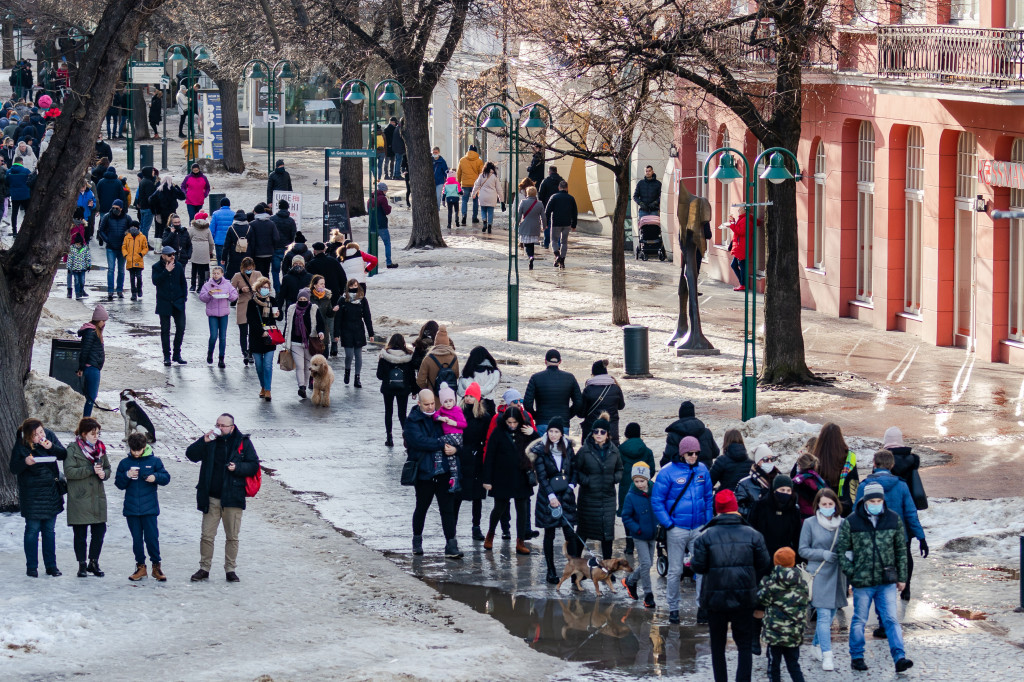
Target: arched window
818	234
914	194
703	149
865	208
1017	252
965	248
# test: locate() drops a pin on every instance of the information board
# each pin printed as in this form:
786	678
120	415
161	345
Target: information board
294	200
213	125
263	100
148	73
349	153
336	218
64	362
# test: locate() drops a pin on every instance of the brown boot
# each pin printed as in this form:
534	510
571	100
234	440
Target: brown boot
157	573
140	572
489	540
266	396
263	393
521	547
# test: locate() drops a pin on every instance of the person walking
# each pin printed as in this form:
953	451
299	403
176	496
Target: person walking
535	171
545	190
481	369
782	599
335	281
647	194
389	150
817	545
260	319
33	462
467	171
633	450
171	293
164	203
86	201
552	392
738	250
759	483
236	243
156	113
398	148
599	468
196	187
303	326
440	167
217	293
560	213
278	181
296	279
531	215
642	529
506	475
19	185
178	238
682	502
601	394
734	464
424	445
227	458
422	344
689	425
287	231
732	558
478	414
553	458
806	483
220	225
262	238
776	516
451	190
203	251
354	310
148	178
487	191
440	364
91	356
243	282
86	468
397	381
872	553
79	262
112	230
837	464
139	475
383	210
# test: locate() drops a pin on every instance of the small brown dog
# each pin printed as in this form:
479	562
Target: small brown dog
600	573
323	377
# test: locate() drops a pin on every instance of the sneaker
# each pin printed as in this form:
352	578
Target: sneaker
199	575
739	288
110	297
826	661
673	617
630	589
120	294
649	600
451	550
858	664
816	652
904	664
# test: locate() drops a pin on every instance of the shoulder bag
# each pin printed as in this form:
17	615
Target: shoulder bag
409	471
809	577
662	531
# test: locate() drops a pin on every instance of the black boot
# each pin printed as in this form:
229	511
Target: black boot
478	534
483	230
552	577
389	442
347	376
94	568
451	550
417	545
209	358
357	383
334	349
82	571
489	226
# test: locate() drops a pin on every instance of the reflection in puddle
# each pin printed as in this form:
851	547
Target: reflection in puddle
604	634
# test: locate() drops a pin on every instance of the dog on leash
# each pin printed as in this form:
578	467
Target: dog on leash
323	377
135	418
600	571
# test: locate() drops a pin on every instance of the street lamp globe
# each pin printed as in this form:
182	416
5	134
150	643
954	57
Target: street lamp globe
494	120
355	94
726	172
534	120
776	172
257	72
201	54
286	71
177	53
389	94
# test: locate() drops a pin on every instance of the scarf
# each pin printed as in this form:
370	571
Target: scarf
600	380
829	524
318	294
93	453
264	303
851	461
300	322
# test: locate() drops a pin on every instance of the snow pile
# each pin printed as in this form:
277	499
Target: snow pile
60	407
786	437
987	529
28	632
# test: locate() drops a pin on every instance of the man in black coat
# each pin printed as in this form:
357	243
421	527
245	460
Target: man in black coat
227	459
689	425
171	292
647	194
552	393
547	188
263	238
535	171
389	151
103	150
114	225
278	181
147	185
560	214
733	558
286	229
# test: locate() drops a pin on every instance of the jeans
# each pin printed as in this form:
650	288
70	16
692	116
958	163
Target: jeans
742	621
91	378
263	264
380	166
385	236
115	258
231	518
192	210
165	332
135	280
218	250
740	268
275	267
792	656
680	540
426	491
487	214
144	530
645	551
522	515
396	169
390	399
79	280
95	547
884	598
823	629
357	354
439	189
465	205
264	368
122	125
547	233
33	529
218	330
145	221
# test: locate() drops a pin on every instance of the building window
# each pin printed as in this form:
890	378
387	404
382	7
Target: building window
1015	13
703	149
966	166
865	209
818	235
724	208
963	11
914	194
1017	252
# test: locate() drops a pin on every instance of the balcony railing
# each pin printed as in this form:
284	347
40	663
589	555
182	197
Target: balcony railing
991	57
733	46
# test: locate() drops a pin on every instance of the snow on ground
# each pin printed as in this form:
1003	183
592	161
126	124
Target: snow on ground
986	529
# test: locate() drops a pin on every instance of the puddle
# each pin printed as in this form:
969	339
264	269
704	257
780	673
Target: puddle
605	635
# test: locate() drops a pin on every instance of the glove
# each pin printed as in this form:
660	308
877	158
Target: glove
503	207
923	546
830	558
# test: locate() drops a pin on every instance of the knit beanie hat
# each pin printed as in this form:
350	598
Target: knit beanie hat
598	368
641	469
510	396
473	391
872	490
780	481
239	215
689	444
303	293
686	410
893	438
785	557
202	215
446	393
556	423
441	339
99	314
600	423
725	502
632	430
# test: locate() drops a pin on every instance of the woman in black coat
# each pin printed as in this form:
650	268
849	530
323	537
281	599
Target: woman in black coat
471	457
777	517
232	256
598	469
506	475
354	314
394	369
601	394
41	499
423	342
552	457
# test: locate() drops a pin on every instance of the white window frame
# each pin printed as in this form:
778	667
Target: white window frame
966	186
1016	319
964	11
914	193
820	170
1015	13
724	200
865	209
703	151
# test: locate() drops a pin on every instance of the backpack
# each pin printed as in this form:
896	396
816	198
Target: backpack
445	375
396	379
242	245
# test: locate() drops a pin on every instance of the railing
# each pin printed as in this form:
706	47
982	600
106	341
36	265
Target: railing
992	57
733	46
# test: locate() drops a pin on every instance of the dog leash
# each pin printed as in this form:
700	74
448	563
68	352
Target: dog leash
579	539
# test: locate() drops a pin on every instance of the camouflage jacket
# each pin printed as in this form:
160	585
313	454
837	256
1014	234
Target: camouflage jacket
865	549
784	597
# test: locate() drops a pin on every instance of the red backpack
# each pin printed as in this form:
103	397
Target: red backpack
252	483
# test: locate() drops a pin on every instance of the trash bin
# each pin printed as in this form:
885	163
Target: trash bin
145	155
215	202
637	358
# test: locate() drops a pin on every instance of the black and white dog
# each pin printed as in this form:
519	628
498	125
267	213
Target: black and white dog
135	418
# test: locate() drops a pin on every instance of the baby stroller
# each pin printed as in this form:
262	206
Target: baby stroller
649	243
661	563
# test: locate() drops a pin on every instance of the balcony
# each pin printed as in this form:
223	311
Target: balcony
974	58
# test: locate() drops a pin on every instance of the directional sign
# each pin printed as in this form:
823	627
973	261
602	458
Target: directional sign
147	72
350	153
273	118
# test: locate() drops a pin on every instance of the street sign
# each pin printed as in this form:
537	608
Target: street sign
350	153
165	81
336	218
149	73
273	118
294	200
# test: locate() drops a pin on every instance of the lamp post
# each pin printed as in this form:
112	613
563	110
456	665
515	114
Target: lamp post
384	91
726	173
130	109
179	51
280	71
494	123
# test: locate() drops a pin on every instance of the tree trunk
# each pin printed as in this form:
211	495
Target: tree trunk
426	222
230	132
8	38
27	269
140	113
350	171
620	311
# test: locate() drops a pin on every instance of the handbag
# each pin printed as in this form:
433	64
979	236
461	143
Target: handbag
662	531
809	577
62	484
276	337
285	360
316	346
409	471
558	484
531	476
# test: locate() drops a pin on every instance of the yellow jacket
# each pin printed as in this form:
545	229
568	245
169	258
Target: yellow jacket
133	249
469	169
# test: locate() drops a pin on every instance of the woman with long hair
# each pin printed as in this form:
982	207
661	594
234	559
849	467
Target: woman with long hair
837	464
86	469
733	465
599	468
260	318
394	369
34	462
424	340
355	316
817	545
92	356
506	475
488	190
552	457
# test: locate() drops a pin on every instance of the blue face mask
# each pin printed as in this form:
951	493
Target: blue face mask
827	512
264	291
874	508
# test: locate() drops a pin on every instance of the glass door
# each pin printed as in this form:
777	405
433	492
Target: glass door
963	308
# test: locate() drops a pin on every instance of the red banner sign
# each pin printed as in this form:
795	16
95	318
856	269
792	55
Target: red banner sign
1001	173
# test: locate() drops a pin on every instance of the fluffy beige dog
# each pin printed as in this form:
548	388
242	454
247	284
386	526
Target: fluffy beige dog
323	377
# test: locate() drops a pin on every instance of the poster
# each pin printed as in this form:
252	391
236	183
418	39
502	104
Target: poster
294	200
213	127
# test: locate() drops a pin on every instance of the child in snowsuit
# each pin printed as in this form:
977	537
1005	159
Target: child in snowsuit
451	191
139	475
453	424
783	597
79	262
638	520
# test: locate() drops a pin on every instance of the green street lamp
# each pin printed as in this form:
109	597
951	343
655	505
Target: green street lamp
726	173
191	56
260	70
387	91
534	121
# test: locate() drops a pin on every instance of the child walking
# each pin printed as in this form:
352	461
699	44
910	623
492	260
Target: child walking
451	192
631	451
783	597
134	247
453	424
638	520
139	475
79	263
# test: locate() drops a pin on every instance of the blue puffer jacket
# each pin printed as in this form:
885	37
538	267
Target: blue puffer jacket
695	508
108	190
897	499
18	182
220	223
422	440
638	515
139	496
440	170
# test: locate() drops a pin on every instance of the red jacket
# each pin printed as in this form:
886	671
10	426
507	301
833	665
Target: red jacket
739	237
